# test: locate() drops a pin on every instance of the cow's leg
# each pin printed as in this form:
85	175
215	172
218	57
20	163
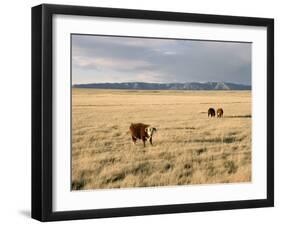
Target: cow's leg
134	140
150	140
143	140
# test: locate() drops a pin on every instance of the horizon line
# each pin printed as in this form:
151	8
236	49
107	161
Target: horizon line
160	83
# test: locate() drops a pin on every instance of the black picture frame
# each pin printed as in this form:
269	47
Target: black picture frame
42	107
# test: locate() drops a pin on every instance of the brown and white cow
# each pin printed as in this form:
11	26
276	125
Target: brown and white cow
142	131
220	113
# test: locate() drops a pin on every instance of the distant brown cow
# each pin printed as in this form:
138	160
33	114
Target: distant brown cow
142	131
220	113
211	112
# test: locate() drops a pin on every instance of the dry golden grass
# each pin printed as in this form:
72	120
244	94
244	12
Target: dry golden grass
189	147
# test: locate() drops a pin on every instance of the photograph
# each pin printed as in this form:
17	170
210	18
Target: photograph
140	112
152	111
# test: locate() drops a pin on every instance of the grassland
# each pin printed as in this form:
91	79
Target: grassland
189	147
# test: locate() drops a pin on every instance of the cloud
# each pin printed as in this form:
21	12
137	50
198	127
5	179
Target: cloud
99	63
159	60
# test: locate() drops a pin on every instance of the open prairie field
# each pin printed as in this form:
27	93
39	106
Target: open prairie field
188	148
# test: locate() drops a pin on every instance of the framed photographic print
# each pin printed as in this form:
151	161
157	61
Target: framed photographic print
145	112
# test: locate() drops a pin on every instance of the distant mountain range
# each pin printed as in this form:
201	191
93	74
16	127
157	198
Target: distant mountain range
166	86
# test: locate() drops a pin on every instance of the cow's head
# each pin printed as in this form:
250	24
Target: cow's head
150	131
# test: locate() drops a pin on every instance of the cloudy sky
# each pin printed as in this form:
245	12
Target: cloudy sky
97	59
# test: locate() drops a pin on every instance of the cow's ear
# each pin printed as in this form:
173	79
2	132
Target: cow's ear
145	130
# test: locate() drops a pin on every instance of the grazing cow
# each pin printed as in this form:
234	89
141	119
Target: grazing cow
211	112
220	113
141	131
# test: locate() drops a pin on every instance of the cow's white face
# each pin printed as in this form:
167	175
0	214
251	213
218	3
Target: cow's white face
150	131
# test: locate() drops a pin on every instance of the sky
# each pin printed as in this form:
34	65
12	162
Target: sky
99	59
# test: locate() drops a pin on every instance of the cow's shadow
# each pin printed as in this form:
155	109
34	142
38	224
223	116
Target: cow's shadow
238	116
